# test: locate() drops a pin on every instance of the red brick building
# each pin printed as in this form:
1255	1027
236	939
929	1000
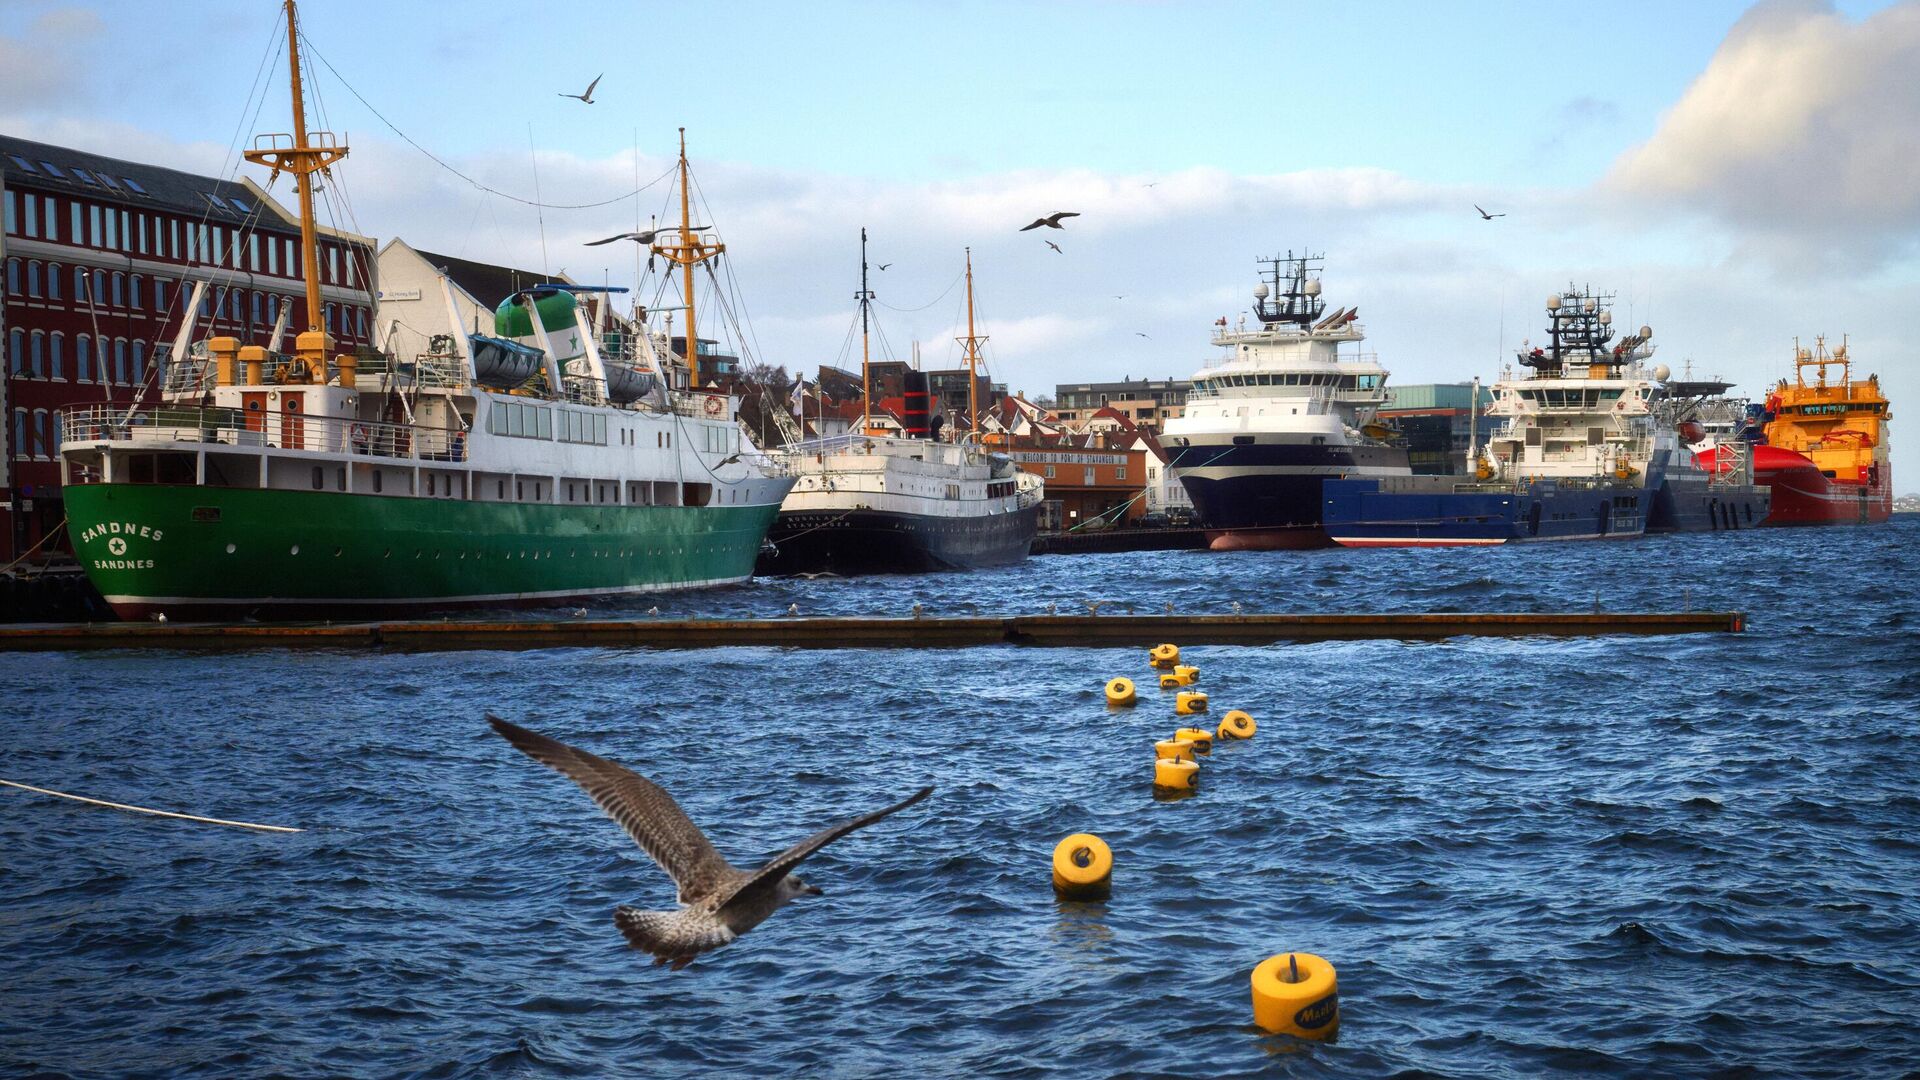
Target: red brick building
101	259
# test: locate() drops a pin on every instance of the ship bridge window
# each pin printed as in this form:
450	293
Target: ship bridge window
520	421
583	427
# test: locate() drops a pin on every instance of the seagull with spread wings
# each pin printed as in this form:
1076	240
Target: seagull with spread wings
1051	221
1484	216
643	237
588	96
718	901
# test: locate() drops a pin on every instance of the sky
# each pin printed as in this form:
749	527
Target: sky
1738	174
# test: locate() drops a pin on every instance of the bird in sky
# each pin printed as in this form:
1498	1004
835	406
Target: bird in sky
1055	247
1138	333
588	96
1119	298
1156	183
1484	216
883	266
1051	221
644	237
718	901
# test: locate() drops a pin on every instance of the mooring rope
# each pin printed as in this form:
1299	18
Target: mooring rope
147	810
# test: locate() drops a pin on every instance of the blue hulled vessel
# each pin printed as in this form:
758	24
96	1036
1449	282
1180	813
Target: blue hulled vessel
1577	453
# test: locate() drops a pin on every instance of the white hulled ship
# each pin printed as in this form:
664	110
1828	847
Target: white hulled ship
1282	411
871	502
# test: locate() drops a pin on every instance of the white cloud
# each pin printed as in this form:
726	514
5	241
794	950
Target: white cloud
39	68
1804	126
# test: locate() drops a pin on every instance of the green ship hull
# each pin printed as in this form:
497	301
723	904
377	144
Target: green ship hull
222	553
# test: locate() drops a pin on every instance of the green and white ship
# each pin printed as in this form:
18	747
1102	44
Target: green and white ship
549	463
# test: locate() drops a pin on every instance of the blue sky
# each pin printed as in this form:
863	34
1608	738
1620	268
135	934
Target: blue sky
1703	159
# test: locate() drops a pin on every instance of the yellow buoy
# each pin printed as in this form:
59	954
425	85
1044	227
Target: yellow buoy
1082	868
1296	994
1237	725
1190	702
1120	691
1171	682
1187	672
1201	738
1175	774
1176	749
1164	656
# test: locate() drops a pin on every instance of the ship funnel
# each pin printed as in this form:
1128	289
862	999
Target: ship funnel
1553	303
1313	286
1260	291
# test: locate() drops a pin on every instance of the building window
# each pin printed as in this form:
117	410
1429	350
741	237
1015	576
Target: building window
113	235
16	351
33	215
273	256
83	359
19	433
253	251
120	360
41	446
119	290
1120	472
139	362
141	236
75	234
159	294
33	279
173	251
133	292
126	231
13	277
53	281
56	356
13	226
36	355
1049	472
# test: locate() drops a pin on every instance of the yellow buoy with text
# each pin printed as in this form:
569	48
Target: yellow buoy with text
1171	682
1120	692
1164	656
1177	749
1296	994
1187	672
1082	868
1201	738
1237	725
1190	702
1175	774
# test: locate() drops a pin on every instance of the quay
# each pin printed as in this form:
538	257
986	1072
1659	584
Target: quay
859	632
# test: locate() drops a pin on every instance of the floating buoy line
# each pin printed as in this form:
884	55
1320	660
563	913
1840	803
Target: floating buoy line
149	810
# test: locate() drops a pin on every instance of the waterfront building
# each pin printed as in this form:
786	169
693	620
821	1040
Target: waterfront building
102	255
1435	421
1147	403
1089	474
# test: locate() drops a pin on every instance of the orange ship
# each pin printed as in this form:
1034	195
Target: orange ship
1825	452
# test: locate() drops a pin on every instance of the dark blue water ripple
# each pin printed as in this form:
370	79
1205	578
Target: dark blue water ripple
1679	857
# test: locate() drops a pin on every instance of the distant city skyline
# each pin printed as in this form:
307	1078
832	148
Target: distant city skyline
1739	175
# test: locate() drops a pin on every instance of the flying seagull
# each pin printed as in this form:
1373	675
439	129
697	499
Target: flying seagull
642	237
883	266
718	901
1137	333
588	96
1484	216
1051	221
1055	247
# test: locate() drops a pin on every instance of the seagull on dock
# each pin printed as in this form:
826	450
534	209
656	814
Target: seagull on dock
793	609
1051	221
1053	609
918	611
579	613
1484	216
1236	607
718	901
588	96
1169	609
653	611
1093	606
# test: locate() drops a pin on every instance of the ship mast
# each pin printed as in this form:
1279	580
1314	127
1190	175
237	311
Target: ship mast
972	345
866	380
686	253
303	160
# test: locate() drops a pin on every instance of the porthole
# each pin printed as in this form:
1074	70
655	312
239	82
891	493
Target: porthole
294	550
231	549
337	551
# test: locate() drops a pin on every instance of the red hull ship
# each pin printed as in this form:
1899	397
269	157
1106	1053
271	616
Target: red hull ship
1825	452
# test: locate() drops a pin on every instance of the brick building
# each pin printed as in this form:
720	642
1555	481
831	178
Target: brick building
101	258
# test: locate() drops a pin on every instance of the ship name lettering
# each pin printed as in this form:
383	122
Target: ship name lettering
120	528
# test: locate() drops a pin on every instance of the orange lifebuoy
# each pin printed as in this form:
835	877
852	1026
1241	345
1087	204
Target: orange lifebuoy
358	433
713	406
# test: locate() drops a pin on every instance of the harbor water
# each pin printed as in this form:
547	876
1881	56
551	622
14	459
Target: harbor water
1674	856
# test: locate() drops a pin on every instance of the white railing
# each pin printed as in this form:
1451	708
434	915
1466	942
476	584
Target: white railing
172	425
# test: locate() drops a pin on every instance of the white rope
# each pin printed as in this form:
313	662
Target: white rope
156	813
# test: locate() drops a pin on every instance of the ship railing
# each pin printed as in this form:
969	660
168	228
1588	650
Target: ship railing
583	390
198	372
170	426
701	404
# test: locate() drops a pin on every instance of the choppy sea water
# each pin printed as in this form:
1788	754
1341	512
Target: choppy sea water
1688	856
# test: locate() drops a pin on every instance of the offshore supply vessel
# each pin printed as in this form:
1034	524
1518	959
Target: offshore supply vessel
1709	483
547	463
1578	453
1822	448
1280	413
